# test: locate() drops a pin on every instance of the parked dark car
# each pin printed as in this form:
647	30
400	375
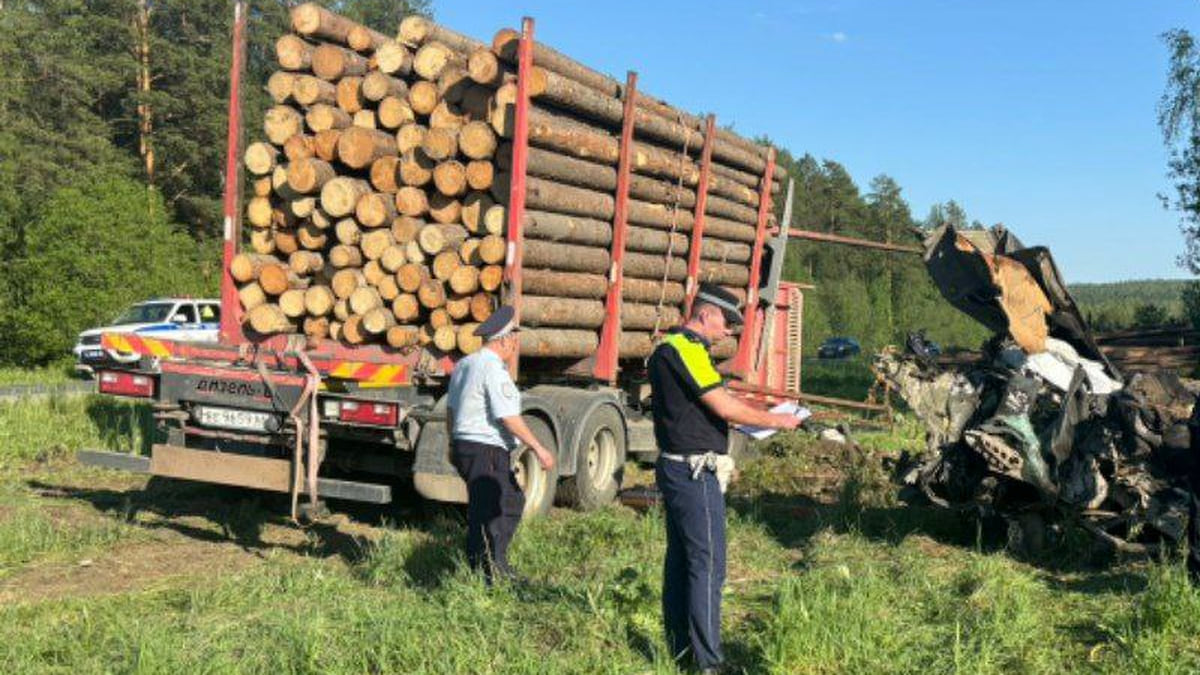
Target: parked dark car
839	348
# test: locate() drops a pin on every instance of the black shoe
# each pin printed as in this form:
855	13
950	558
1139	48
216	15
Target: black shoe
507	577
513	579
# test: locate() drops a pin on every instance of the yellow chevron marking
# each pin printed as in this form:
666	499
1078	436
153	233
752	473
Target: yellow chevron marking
157	348
345	369
119	342
386	374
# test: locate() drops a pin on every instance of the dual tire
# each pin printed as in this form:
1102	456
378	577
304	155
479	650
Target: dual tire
599	465
599	462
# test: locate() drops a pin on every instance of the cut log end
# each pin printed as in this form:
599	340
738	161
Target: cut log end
432	58
340	195
477	140
269	319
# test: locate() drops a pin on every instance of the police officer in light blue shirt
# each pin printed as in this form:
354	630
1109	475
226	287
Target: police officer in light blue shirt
484	409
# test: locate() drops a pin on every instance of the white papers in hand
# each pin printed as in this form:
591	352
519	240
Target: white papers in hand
788	408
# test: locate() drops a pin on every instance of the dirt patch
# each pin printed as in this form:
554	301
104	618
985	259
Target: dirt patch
133	567
177	555
188	539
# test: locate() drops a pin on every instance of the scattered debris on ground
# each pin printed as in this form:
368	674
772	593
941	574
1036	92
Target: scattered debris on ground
1041	429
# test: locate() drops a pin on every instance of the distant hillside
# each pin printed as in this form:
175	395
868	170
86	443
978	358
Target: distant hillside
1111	306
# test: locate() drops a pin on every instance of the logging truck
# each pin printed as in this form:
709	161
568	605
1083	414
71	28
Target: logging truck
407	185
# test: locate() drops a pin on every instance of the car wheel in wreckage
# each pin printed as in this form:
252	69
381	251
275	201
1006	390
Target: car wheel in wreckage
1027	534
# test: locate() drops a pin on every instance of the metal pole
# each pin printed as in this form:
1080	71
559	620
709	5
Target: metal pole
607	356
774	275
231	306
516	195
693	269
754	389
744	360
853	241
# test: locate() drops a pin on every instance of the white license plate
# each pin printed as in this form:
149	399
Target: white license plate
228	418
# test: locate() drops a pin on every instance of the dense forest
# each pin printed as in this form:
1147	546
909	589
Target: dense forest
112	141
874	296
112	127
1133	304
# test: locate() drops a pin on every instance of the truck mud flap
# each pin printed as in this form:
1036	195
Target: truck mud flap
224	468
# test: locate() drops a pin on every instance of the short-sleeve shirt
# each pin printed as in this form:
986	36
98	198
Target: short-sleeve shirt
481	394
681	371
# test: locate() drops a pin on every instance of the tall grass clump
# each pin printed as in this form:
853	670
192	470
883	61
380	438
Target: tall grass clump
38	428
1000	619
843	617
862	607
54	373
27	534
1160	633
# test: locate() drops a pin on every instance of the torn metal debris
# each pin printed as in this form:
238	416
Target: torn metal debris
1041	429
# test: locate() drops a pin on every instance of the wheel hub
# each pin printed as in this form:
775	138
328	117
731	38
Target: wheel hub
601	453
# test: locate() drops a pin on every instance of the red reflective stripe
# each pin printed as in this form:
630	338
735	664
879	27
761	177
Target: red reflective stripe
136	344
366	372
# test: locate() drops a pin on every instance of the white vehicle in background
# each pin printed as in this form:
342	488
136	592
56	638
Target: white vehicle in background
180	319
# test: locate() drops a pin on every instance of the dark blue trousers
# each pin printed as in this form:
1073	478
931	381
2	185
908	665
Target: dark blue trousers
694	570
494	505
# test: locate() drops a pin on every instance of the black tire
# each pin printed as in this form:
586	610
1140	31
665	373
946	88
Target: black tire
599	462
538	484
1026	535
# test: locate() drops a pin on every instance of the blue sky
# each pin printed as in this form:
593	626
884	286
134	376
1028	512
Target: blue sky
1040	115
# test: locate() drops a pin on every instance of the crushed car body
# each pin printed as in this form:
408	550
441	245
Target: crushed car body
1041	429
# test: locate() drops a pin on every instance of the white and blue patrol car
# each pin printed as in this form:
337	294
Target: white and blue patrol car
177	319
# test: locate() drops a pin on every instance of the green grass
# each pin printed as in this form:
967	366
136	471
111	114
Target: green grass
57	425
28	533
843	378
849	604
823	579
55	373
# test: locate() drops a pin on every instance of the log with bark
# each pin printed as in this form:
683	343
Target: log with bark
416	30
504	44
568	229
582	173
561	134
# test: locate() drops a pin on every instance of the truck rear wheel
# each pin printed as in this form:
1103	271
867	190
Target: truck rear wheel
538	484
599	462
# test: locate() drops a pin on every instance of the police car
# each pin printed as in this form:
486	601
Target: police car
178	319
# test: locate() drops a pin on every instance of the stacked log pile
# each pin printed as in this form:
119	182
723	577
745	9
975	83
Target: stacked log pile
378	209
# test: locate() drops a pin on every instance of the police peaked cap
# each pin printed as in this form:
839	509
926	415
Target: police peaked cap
500	323
722	299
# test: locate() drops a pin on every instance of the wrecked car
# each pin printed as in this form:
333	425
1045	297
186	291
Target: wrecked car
1041	430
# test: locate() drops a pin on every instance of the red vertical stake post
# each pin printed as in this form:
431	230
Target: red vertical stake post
608	353
231	307
697	242
516	194
743	362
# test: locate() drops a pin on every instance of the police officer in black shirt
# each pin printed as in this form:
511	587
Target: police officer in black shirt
692	412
